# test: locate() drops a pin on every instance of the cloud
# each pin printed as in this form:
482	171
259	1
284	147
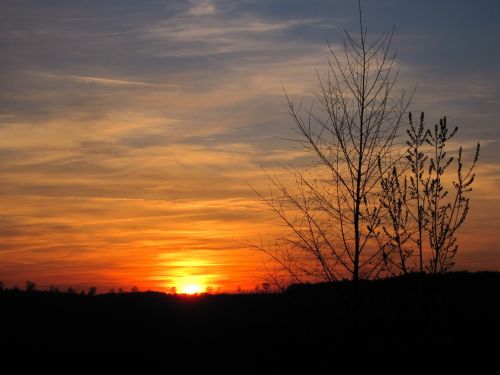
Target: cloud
202	8
202	31
106	81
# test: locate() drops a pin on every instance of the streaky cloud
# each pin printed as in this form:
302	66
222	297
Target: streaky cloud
108	81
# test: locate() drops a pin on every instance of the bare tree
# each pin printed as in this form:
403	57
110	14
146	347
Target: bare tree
398	227
30	286
422	206
209	290
332	209
446	213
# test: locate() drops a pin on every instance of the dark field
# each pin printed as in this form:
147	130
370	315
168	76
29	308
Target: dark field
406	325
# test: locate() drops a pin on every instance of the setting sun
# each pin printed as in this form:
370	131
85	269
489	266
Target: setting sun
191	289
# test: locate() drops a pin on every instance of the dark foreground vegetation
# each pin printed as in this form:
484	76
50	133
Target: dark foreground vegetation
392	328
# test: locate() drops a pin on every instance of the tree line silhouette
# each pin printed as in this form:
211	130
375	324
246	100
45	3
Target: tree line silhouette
306	325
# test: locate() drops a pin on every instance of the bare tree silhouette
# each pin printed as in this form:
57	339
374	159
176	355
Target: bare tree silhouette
30	286
332	209
422	207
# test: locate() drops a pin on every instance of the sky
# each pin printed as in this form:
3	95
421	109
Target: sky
132	132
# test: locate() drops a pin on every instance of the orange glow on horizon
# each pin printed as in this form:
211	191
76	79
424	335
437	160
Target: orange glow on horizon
191	289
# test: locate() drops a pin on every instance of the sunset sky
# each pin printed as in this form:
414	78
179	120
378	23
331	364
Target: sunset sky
131	132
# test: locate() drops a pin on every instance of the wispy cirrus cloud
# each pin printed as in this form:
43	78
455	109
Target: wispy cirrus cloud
106	81
205	29
202	8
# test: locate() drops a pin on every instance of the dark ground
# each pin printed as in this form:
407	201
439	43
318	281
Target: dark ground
406	325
